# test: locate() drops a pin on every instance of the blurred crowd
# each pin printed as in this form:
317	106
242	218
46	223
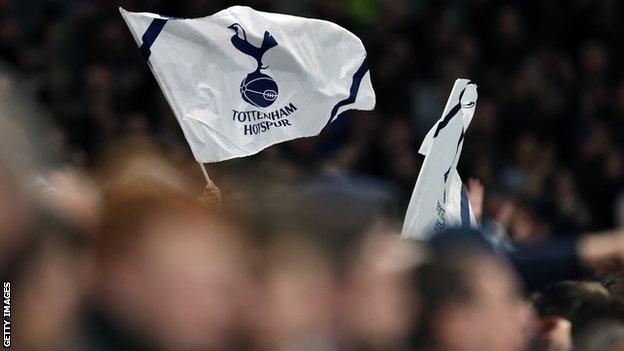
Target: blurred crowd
112	241
546	141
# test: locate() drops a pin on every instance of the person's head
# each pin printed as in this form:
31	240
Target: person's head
565	299
55	261
614	283
559	307
323	271
169	273
377	308
470	300
577	304
296	293
16	214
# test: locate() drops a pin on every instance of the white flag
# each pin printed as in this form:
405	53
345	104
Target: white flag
241	80
440	200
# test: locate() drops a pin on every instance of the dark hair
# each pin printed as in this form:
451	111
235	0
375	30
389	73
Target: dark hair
436	284
615	284
564	299
582	303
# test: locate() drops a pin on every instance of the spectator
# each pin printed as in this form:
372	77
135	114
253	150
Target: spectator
470	300
170	276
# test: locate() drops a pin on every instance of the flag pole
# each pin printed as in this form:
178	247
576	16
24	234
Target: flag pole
203	168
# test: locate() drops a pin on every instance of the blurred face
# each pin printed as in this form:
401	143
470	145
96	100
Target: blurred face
182	284
379	312
495	318
44	318
296	306
14	212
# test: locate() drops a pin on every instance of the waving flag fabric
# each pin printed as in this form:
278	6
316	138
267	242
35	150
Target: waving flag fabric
440	200
241	80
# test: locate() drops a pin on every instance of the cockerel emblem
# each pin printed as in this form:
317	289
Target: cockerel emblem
257	88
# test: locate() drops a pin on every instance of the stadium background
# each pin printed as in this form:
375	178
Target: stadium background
547	137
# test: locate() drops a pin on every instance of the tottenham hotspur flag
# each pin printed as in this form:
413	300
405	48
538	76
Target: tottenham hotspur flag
439	199
241	80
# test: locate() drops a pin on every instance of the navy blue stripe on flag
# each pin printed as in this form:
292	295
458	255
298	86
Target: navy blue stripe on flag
451	113
464	208
353	91
461	138
447	118
150	36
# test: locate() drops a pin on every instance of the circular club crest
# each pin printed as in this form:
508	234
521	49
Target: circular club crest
259	89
